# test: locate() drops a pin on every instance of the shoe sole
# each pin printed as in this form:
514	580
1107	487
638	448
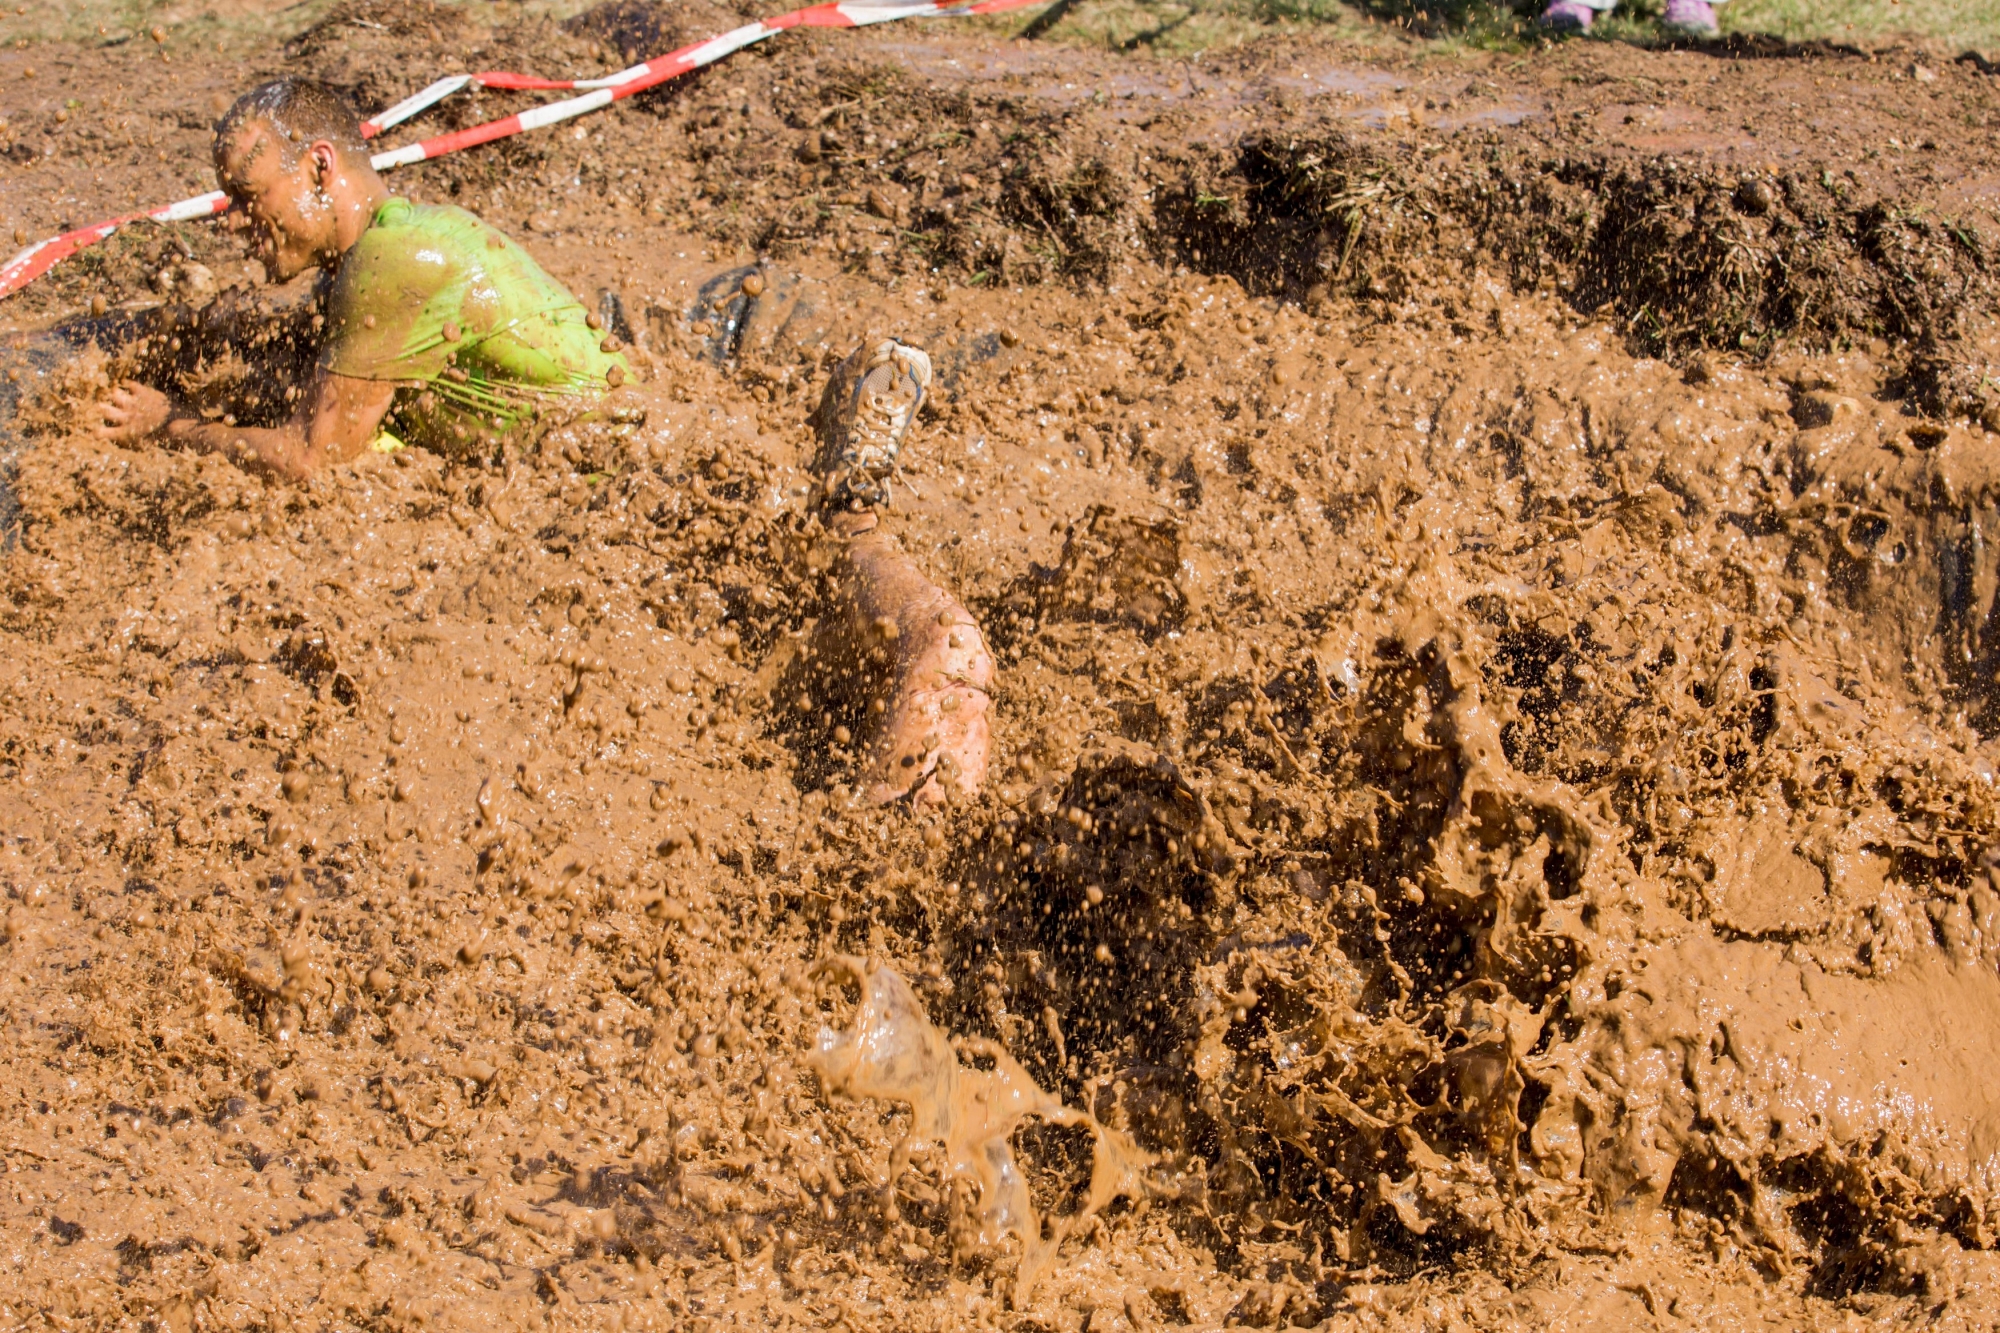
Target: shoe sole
885	368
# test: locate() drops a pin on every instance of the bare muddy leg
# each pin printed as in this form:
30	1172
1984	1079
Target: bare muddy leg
931	729
932	725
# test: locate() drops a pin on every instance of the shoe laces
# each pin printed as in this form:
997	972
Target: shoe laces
886	400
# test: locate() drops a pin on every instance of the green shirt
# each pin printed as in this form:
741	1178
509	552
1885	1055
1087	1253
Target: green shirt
477	332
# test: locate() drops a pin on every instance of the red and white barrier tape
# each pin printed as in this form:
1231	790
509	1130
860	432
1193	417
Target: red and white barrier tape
42	256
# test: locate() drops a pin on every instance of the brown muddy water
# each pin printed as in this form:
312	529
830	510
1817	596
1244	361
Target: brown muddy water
1490	821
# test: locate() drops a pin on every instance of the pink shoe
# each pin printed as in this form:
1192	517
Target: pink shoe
1568	16
1691	18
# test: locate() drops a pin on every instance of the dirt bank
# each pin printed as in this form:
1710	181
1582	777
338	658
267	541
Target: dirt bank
1488	564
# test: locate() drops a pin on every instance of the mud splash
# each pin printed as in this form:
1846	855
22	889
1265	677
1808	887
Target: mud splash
893	1052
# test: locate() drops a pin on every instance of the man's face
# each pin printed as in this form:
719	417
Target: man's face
289	216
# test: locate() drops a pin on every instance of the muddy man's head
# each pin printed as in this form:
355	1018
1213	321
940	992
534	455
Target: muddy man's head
290	154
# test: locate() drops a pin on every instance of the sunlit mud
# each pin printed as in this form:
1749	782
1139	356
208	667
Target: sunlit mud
1488	814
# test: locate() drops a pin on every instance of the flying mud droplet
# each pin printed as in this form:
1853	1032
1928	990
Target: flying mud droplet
488	802
1114	569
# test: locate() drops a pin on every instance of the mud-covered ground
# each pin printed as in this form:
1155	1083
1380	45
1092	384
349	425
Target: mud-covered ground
1489	559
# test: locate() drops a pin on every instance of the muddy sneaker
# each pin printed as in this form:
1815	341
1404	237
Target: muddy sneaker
1568	16
1690	18
866	410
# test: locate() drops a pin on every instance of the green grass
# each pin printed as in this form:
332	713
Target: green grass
1164	27
1176	27
1184	27
1948	25
1963	24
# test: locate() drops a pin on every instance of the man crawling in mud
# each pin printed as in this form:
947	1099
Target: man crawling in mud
438	330
441	332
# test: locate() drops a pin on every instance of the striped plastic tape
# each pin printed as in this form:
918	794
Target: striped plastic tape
42	256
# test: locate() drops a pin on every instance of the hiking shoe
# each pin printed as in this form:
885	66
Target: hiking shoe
1567	16
1690	18
866	410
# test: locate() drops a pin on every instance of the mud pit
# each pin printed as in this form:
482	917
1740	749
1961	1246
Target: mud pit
1491	795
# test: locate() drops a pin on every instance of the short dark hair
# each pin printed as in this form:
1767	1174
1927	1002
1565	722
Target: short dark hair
301	111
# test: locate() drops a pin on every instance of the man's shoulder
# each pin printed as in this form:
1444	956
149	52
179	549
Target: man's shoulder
398	219
414	247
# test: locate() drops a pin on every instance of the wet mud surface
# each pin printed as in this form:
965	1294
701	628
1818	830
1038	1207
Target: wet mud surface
1491	821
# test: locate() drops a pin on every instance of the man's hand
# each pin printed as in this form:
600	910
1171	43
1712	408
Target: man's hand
134	412
331	426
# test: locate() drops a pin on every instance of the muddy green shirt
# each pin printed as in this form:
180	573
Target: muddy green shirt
479	334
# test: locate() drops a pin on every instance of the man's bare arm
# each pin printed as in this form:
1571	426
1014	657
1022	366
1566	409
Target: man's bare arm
336	423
